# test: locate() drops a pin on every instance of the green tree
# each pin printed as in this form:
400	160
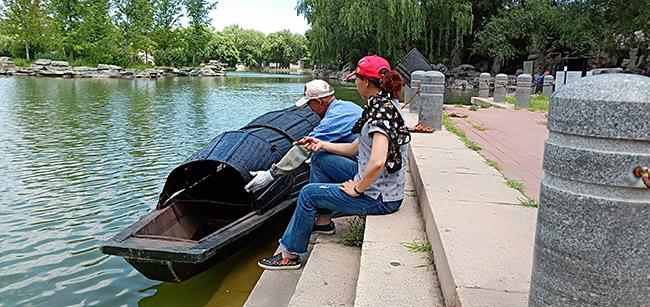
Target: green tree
169	46
134	18
199	33
224	49
67	16
24	20
99	39
248	43
283	48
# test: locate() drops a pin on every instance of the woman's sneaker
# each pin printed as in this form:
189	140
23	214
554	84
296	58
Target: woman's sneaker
278	263
328	229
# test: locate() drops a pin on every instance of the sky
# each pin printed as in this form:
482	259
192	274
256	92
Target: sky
263	15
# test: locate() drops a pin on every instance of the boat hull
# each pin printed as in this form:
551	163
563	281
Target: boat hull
156	260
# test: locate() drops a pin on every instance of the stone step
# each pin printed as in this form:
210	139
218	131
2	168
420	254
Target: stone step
275	288
329	276
390	274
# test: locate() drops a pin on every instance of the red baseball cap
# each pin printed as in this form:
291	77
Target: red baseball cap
370	66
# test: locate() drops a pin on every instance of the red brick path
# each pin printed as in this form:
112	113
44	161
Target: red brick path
514	139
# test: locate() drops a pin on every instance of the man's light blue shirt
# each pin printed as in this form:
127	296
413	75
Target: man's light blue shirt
336	126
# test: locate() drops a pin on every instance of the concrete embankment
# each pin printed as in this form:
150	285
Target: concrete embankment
480	234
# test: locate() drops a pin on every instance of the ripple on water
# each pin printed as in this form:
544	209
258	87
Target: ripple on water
82	159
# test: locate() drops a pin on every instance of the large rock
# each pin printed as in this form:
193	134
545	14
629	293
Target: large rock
43	62
60	64
84	69
103	67
115	67
460	84
441	68
592	246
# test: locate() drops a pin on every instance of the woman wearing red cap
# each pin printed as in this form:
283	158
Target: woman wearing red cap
371	185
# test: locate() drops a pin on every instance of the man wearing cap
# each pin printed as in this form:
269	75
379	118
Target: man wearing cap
337	118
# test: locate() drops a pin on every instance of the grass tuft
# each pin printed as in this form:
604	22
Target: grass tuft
479	127
528	202
449	125
538	102
421	247
355	236
473	108
515	184
493	163
23	62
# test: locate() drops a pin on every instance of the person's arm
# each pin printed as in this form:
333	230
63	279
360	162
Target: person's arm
376	162
291	161
349	150
342	149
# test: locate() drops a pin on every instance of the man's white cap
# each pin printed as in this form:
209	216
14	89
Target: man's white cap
315	89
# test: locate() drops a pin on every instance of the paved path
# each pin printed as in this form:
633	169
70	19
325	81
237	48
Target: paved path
481	236
514	139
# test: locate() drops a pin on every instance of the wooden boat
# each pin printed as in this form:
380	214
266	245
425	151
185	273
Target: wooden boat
203	213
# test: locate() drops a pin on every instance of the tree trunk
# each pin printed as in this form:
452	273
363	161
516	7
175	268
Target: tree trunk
126	44
27	50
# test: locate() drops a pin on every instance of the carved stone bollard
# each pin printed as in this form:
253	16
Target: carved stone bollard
522	96
592	246
431	99
547	90
484	85
500	84
416	79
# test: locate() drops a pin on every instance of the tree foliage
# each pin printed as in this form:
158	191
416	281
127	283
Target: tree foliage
457	31
25	20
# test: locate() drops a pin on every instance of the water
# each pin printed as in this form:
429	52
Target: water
82	159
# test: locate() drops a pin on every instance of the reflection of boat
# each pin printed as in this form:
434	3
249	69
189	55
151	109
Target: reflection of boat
204	213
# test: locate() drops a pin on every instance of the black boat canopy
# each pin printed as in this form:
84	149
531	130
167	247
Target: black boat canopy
219	172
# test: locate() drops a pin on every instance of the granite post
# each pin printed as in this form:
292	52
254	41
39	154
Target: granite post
592	245
484	85
431	99
522	96
500	84
547	90
416	79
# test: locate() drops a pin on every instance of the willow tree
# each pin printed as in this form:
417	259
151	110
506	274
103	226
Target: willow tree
342	31
448	23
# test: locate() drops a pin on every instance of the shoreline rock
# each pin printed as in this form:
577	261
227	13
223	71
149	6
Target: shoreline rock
62	69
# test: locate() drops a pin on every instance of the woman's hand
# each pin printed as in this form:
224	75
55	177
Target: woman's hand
312	144
348	187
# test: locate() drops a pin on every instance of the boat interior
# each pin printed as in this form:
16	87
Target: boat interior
215	202
191	221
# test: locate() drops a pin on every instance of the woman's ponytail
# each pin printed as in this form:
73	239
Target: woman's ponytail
391	82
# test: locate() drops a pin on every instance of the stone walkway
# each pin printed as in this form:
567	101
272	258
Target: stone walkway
513	138
482	237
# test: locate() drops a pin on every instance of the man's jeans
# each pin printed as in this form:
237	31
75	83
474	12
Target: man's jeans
323	195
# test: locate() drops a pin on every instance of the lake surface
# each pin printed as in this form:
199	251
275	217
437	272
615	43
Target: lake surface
81	159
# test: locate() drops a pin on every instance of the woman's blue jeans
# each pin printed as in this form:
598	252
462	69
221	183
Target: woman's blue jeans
323	196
